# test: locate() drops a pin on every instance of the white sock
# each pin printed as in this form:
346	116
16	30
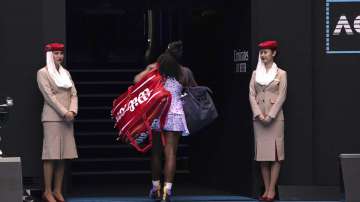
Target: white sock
168	185
156	183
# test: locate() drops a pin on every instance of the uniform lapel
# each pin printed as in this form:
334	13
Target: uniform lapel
277	77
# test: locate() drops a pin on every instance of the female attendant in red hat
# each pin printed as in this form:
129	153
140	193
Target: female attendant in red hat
267	95
59	111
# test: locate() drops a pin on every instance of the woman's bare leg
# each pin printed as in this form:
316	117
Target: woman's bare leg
275	171
265	173
58	182
48	166
171	140
156	153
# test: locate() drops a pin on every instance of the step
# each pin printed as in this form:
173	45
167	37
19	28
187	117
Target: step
94	112
118	146
101	138
121	178
96	99
136	172
102	134
95	125
80	75
106	138
102	87
106	120
108	152
121	150
120	164
76	61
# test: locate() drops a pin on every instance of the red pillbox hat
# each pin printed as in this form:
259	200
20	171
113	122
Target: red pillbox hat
54	47
268	45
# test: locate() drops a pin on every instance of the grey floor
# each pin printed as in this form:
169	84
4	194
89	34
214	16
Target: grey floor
310	193
175	199
188	193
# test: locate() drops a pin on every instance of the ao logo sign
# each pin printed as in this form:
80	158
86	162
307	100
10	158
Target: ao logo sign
343	25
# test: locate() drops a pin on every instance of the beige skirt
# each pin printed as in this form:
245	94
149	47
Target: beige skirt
269	141
59	141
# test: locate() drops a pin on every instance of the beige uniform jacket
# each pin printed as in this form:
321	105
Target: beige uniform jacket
57	101
269	99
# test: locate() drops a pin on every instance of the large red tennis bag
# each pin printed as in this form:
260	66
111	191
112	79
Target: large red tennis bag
135	110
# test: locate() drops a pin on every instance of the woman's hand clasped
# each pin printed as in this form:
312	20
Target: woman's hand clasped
264	119
261	117
69	116
267	120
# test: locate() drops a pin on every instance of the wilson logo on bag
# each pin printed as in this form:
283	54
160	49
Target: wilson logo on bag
135	110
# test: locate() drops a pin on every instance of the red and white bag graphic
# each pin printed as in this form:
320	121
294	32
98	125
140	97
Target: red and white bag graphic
135	110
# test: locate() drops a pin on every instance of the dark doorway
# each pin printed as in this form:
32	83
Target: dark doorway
106	43
104	33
